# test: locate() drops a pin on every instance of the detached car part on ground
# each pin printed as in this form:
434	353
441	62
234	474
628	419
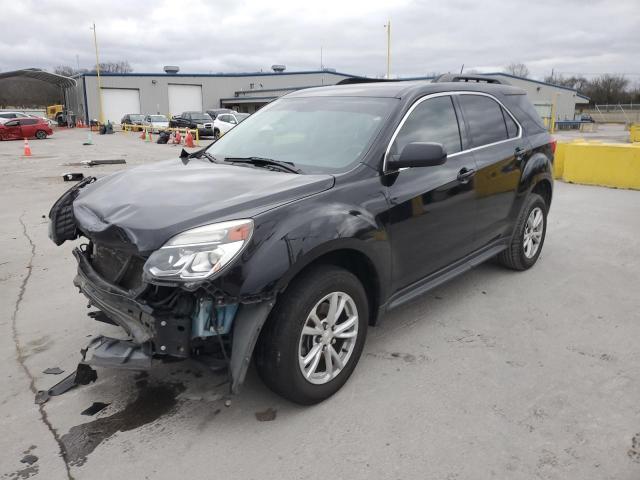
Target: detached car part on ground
305	223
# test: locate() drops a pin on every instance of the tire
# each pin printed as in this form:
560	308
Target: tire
216	134
282	344
41	134
517	256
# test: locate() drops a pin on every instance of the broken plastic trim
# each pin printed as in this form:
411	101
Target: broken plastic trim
83	375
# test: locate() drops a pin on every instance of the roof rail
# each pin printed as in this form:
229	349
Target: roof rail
353	80
448	77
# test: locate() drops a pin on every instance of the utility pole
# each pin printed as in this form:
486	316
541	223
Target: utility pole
95	44
388	27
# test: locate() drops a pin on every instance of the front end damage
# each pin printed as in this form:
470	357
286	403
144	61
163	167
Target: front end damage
164	320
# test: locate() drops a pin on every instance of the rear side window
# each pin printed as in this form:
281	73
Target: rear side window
28	121
485	119
433	120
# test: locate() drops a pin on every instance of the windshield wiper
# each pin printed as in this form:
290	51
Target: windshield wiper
264	162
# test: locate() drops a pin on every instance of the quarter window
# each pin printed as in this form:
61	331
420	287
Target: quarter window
512	127
485	119
433	120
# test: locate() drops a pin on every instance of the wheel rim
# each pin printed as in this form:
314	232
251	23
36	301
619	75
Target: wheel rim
328	338
40	135
533	231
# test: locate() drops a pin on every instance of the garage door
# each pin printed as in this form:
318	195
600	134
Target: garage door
183	98
116	102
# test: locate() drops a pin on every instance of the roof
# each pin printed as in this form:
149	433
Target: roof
39	74
239	74
398	89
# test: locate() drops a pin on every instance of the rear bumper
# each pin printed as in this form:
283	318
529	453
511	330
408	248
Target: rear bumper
165	334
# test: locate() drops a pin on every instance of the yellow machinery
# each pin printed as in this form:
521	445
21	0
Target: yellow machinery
57	113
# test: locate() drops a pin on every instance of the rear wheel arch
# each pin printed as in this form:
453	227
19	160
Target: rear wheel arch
544	189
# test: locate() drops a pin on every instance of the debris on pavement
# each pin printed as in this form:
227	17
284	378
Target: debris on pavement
94	408
267	416
29	459
83	375
53	371
72	177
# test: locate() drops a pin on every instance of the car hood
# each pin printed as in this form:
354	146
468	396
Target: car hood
140	209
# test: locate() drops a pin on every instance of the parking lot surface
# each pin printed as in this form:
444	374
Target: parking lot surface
495	375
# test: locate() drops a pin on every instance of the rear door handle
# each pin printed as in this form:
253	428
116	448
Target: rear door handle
465	174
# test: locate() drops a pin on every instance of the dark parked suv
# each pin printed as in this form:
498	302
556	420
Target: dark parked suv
193	120
306	223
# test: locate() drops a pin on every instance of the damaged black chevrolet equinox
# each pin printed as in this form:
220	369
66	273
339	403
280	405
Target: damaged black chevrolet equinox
285	239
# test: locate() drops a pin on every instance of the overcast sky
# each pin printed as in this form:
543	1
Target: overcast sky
571	36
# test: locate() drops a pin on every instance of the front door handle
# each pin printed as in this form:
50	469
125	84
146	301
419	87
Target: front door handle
465	174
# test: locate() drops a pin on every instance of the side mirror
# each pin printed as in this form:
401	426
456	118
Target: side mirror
418	154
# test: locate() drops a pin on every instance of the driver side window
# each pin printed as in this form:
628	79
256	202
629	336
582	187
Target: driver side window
433	120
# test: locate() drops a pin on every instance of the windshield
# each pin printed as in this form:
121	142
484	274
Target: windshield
317	134
158	118
136	117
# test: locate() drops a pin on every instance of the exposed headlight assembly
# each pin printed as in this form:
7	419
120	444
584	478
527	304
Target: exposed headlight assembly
201	252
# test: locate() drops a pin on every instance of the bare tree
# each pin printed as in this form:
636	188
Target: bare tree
608	88
517	69
578	82
115	67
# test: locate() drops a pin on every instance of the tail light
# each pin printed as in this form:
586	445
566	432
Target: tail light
553	145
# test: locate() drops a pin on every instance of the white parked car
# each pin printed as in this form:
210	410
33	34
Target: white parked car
226	121
6	116
156	123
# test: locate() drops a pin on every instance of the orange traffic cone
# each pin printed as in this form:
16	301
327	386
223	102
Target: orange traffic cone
27	148
149	139
143	135
177	139
188	140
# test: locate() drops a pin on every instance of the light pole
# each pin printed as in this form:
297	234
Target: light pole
95	44
388	27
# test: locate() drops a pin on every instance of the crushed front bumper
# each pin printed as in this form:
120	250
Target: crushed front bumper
163	332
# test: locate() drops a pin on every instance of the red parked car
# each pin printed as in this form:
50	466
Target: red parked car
25	128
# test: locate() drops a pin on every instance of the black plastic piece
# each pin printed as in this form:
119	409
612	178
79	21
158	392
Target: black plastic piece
62	223
83	375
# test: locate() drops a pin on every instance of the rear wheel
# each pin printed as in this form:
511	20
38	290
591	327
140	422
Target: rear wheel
216	134
315	335
41	134
528	236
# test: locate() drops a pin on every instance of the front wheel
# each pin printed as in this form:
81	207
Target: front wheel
528	236
41	134
216	134
314	336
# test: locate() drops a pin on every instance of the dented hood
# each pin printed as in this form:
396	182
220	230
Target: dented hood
141	208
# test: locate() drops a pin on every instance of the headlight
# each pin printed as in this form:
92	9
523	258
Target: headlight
201	252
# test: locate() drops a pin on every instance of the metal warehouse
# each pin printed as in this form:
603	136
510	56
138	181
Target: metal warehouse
172	93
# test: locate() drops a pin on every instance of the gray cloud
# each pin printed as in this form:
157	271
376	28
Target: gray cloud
200	36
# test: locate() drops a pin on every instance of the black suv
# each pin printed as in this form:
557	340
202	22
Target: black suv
306	223
193	120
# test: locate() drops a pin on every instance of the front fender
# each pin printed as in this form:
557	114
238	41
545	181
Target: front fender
289	238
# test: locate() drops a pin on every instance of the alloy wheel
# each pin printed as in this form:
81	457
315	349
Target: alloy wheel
533	230
328	338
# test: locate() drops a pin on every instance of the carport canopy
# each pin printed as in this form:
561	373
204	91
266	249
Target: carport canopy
36	73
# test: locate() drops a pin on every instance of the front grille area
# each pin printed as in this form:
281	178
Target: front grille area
117	267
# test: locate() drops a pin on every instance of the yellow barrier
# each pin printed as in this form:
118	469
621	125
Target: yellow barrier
634	132
607	164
